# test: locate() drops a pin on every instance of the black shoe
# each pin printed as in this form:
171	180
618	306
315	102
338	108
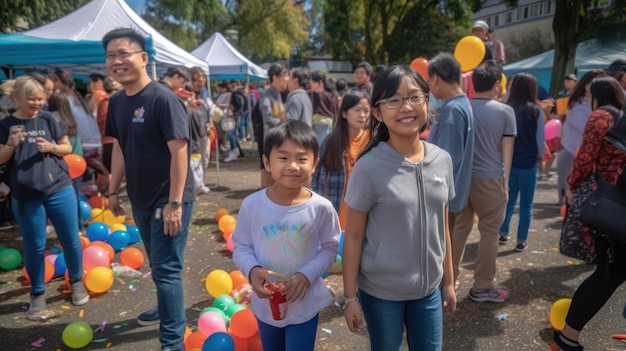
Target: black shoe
521	246
503	239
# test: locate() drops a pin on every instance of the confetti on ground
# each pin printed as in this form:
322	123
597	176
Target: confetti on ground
532	230
65	307
108	345
38	343
572	262
502	316
153	290
147	275
537	252
117	326
327	330
81	313
554	249
196	308
100	340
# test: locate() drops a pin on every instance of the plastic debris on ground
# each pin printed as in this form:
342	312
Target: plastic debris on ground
502	316
38	343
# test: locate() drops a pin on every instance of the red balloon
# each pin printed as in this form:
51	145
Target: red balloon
132	257
243	324
254	343
420	65
195	340
98	202
76	165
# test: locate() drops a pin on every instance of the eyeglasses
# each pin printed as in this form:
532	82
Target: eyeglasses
124	55
396	101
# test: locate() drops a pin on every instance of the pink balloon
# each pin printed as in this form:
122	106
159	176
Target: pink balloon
551	129
51	258
229	244
95	256
211	322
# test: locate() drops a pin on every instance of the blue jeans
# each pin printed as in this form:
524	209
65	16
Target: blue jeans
166	260
522	181
294	337
62	209
385	319
243	124
232	136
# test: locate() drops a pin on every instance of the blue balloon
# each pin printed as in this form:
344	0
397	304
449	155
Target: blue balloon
84	211
341	243
133	231
118	240
218	341
97	231
83	197
59	265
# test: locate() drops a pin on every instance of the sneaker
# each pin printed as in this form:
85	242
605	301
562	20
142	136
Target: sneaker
5	225
150	317
521	246
503	239
224	148
232	156
80	296
204	190
49	229
557	345
495	294
38	310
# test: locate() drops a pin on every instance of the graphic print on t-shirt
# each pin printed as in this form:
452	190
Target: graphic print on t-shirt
138	115
287	245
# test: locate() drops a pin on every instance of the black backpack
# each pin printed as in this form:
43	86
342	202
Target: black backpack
257	121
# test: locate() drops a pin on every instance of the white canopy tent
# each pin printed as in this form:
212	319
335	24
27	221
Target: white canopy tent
225	62
89	24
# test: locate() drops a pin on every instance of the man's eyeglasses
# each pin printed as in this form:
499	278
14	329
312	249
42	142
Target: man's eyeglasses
396	101
122	55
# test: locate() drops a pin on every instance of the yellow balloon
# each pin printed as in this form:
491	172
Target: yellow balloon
469	52
219	283
558	312
99	280
503	82
118	226
96	215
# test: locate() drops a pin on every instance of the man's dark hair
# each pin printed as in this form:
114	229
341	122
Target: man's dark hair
126	33
275	70
617	67
365	65
302	75
446	67
40	78
97	76
180	71
486	75
297	132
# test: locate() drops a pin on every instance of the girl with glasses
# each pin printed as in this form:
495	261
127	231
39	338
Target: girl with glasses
397	262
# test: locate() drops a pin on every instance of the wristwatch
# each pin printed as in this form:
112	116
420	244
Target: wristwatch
175	204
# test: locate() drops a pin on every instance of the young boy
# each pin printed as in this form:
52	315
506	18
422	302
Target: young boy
288	229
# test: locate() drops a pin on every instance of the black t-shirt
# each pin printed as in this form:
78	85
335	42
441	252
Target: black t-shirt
143	124
35	174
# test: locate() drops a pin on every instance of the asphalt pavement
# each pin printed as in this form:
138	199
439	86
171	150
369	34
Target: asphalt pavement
536	278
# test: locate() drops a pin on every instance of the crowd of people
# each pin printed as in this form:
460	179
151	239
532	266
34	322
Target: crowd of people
432	152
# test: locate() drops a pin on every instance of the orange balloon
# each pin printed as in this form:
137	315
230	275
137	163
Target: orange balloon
67	276
221	212
99	280
105	246
76	165
230	227
132	257
563	211
420	65
238	279
240	344
225	222
187	333
254	343
195	341
226	235
84	241
243	324
98	202
48	273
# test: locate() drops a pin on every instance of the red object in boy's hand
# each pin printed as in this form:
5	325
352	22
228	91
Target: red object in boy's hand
278	303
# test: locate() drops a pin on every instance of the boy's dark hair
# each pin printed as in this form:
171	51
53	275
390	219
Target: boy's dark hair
486	75
446	67
365	65
302	75
180	71
297	132
96	76
127	33
607	92
40	78
275	70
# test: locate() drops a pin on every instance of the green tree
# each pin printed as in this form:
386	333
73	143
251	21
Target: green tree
33	13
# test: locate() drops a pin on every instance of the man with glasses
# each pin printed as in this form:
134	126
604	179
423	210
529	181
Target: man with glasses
453	128
151	138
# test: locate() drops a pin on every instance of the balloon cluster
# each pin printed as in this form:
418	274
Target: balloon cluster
226	223
336	267
228	324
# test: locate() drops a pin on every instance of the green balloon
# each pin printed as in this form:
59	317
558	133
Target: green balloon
218	311
77	335
234	308
223	301
10	259
2	247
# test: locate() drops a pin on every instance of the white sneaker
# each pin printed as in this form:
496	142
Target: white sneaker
204	190
232	156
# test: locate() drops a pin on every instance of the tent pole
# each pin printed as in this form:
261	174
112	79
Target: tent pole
154	74
249	114
217	149
10	72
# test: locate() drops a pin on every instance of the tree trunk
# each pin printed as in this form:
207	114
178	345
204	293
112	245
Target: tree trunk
567	25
